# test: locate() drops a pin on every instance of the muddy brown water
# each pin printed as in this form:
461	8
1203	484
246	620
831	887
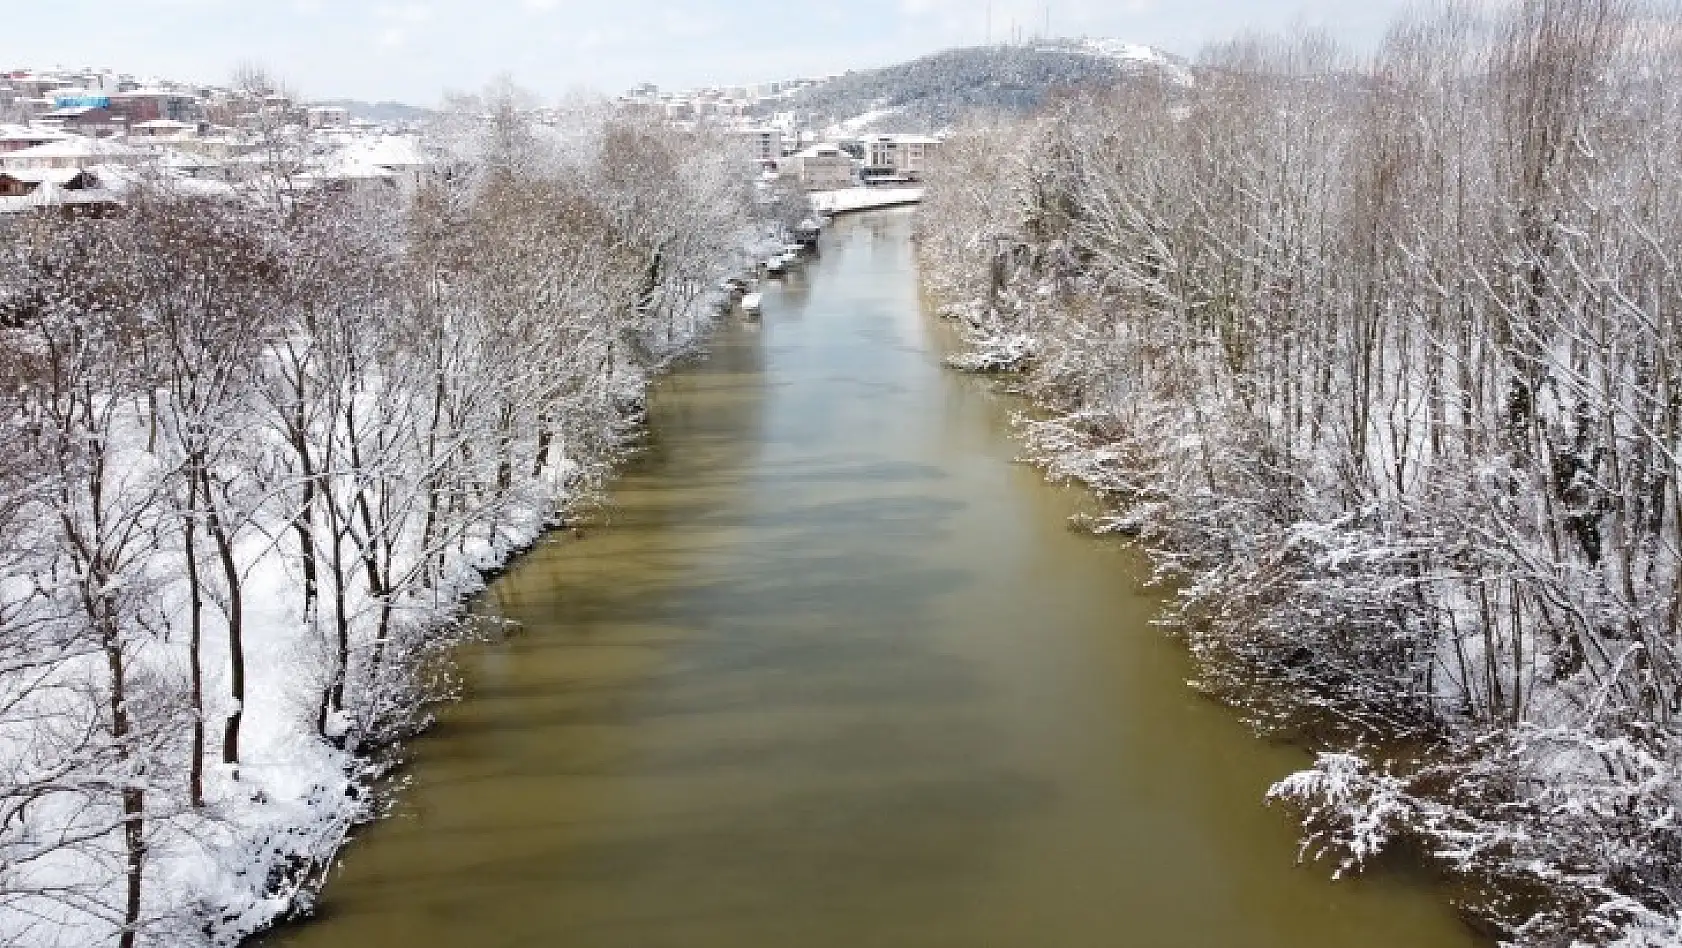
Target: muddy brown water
831	670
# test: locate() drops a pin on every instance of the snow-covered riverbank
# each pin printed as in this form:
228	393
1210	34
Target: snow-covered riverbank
1389	390
259	463
864	199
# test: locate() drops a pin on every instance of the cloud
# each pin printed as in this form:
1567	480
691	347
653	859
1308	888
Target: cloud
411	13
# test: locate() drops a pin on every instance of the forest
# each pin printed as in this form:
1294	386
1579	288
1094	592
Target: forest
1381	359
258	454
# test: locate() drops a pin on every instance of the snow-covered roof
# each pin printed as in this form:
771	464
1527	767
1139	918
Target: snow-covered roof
163	124
71	146
56	176
24	133
904	139
170	158
121	179
347	168
389	151
51	195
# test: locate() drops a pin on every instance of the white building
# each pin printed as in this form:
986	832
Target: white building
764	143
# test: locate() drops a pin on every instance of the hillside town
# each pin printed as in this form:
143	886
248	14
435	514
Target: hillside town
833	157
81	138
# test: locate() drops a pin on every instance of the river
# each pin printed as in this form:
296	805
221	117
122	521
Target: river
831	670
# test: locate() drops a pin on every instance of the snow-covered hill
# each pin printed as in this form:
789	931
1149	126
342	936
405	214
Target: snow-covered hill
932	92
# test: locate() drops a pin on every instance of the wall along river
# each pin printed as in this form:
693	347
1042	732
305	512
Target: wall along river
830	670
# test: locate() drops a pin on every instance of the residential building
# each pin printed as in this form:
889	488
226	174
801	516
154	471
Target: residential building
150	103
161	130
73	151
327	116
763	143
824	168
17	183
84	117
898	156
19	137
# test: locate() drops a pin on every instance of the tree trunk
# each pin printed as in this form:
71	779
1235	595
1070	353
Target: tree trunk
236	623
195	593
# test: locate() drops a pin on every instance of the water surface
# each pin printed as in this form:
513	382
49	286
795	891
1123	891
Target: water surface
830	670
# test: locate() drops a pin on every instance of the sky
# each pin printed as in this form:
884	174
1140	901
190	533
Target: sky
415	50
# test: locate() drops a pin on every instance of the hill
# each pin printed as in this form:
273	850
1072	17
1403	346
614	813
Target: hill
930	93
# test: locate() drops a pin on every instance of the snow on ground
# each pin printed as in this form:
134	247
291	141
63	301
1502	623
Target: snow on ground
864	199
849	128
1135	54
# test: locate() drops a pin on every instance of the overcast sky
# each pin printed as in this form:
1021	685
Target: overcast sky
413	50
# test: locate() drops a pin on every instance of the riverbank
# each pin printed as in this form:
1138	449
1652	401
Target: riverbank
246	507
350	790
1398	535
828	669
854	200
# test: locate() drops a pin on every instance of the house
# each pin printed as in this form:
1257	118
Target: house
398	155
90	120
763	143
37	85
18	183
19	137
185	164
346	177
148	104
327	116
72	151
824	168
903	157
161	130
48	197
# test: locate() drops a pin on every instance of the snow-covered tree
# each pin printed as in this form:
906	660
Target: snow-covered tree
1381	359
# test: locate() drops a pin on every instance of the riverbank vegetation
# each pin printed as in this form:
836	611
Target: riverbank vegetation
1383	360
257	454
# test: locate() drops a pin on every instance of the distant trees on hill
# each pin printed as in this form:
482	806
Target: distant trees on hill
935	91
